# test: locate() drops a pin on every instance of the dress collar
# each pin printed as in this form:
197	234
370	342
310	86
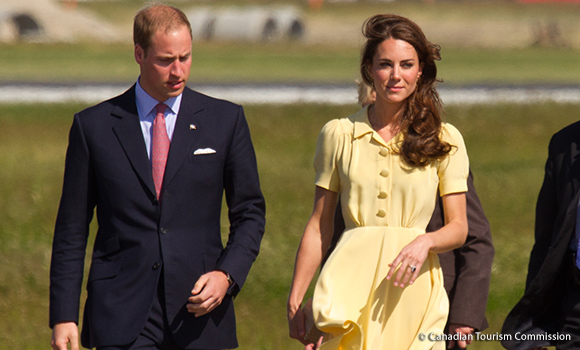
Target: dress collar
362	126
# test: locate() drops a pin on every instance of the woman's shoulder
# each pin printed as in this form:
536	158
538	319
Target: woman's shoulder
449	132
342	126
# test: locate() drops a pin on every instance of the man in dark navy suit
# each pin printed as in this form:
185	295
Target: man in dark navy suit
548	314
155	163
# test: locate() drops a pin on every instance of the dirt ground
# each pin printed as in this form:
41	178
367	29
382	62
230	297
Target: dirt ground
58	21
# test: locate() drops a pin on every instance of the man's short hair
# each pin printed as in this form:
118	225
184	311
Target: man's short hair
154	18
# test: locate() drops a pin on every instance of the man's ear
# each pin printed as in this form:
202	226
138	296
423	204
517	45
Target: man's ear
139	54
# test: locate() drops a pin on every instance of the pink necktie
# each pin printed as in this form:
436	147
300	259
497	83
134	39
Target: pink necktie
159	147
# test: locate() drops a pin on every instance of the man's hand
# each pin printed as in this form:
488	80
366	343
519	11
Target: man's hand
463	330
296	324
64	333
208	293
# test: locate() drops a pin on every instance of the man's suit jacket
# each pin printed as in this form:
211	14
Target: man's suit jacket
466	270
138	236
548	273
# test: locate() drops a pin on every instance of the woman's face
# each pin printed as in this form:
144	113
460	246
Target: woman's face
395	70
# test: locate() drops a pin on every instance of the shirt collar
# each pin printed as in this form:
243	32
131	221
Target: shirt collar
362	126
146	103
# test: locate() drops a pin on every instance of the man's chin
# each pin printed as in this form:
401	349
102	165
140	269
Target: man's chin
176	92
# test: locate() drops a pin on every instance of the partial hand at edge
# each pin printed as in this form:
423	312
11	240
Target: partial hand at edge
460	329
312	346
63	334
296	325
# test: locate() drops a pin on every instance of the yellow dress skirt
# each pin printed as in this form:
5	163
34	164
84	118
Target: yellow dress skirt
359	309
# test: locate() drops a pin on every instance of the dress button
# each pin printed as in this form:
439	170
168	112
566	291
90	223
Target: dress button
382	213
384	152
384	172
382	194
156	266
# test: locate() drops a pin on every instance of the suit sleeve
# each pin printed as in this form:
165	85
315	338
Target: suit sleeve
246	206
546	213
467	270
71	230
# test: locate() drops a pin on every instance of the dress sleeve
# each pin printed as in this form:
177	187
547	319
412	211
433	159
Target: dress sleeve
327	154
454	168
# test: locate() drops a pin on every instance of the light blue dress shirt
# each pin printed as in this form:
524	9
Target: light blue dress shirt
146	109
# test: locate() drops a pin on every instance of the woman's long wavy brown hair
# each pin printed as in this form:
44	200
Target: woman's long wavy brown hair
421	121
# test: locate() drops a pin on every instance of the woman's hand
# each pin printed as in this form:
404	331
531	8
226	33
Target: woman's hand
315	241
451	236
409	261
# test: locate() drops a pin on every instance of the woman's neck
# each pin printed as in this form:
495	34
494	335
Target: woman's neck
385	119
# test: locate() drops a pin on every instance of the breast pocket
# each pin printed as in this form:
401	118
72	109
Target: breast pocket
205	154
204	158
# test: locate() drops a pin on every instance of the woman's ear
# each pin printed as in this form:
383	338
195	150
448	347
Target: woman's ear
368	71
420	70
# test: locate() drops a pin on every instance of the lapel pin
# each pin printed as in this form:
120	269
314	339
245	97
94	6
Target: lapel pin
192	127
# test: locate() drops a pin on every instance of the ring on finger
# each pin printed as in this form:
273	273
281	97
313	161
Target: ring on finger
413	268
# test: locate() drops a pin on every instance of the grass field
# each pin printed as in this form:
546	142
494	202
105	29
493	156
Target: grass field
484	42
281	63
507	146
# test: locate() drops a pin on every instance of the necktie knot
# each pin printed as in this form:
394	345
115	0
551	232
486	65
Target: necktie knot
160	108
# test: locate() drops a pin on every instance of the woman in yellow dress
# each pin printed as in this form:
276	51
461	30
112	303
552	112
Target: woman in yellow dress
382	287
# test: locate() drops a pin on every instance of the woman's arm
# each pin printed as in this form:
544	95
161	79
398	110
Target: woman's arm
454	233
449	237
315	241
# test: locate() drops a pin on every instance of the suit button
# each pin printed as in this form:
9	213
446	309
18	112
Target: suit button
384	152
163	230
156	266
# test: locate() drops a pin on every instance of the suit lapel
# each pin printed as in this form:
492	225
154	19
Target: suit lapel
130	136
189	123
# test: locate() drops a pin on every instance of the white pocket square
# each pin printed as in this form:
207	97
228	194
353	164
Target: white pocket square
203	151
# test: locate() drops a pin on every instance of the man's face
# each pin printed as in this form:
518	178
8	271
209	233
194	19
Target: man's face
166	64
